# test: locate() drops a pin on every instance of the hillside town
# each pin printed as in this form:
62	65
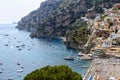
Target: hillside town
107	36
106	52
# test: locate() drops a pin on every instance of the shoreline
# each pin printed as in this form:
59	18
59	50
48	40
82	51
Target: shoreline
88	71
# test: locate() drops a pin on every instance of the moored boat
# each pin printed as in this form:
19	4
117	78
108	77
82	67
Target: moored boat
80	54
84	66
69	57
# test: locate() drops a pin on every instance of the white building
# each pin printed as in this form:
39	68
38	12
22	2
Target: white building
107	43
113	36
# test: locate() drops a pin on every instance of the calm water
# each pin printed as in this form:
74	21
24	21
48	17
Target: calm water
34	53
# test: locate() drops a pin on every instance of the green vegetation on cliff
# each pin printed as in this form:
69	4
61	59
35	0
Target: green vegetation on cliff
53	73
77	38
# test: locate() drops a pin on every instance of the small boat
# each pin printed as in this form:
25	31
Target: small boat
10	78
22	45
29	49
80	54
17	46
69	57
86	58
19	49
99	62
2	68
1	63
19	74
6	44
19	71
1	71
18	63
22	66
90	55
6	35
84	66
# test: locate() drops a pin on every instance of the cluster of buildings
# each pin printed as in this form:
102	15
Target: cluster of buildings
107	35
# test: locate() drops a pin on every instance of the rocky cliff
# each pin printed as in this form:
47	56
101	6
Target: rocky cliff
31	21
65	20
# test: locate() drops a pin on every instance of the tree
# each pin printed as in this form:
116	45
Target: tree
53	73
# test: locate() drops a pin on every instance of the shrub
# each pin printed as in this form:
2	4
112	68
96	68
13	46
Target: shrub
53	73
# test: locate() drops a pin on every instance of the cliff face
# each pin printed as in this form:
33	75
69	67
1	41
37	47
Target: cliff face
31	21
61	21
64	19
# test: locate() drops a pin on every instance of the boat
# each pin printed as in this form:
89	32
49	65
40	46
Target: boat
1	63
84	66
10	78
22	66
19	71
86	57
80	54
1	71
2	68
69	57
19	74
19	49
90	55
18	63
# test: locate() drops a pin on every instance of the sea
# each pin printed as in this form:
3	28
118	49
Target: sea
20	54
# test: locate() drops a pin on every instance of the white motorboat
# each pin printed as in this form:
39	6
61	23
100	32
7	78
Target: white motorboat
69	57
80	54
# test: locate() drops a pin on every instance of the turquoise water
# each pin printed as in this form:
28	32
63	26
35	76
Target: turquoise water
34	53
